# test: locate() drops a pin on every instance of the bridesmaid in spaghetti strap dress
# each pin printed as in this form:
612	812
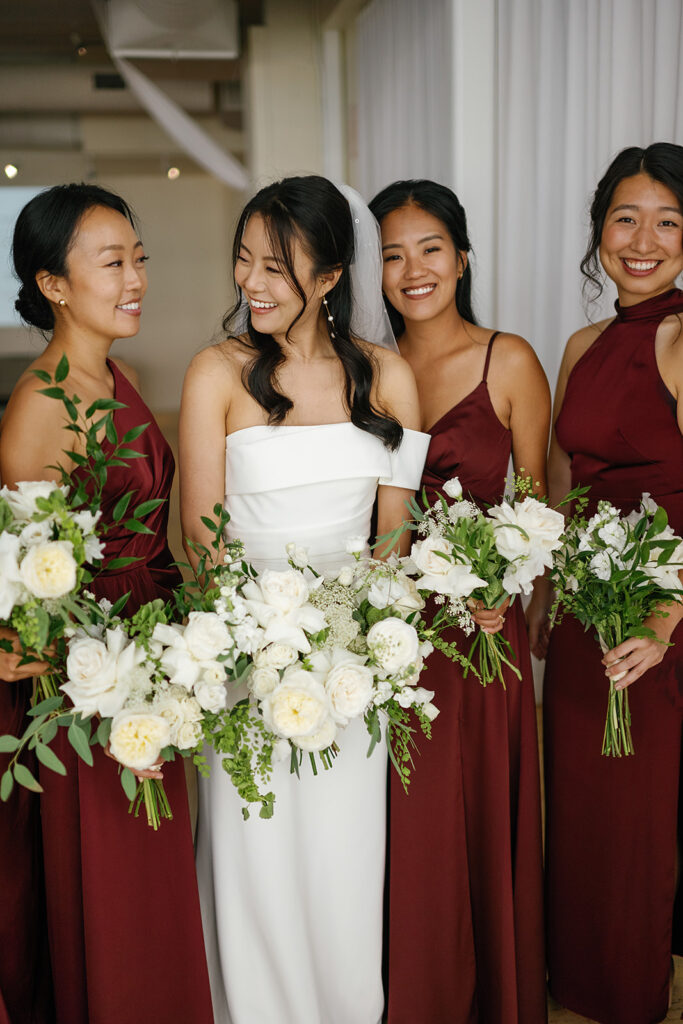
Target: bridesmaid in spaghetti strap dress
465	897
611	823
123	916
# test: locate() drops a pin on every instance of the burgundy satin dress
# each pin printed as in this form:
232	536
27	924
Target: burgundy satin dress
124	926
611	822
465	875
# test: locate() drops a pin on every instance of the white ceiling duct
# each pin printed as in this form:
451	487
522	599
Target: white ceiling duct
177	29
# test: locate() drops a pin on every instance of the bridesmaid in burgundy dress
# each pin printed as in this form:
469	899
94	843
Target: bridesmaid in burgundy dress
465	941
611	823
123	915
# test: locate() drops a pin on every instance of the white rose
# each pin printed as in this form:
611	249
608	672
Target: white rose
262	681
49	570
212	696
349	687
285	590
10	577
206	636
432	556
453	488
98	672
171	710
138	737
321	739
393	643
346	575
276	655
188	736
355	545
22	501
297	707
298	555
543	527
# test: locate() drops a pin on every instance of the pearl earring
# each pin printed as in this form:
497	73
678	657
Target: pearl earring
62	302
330	318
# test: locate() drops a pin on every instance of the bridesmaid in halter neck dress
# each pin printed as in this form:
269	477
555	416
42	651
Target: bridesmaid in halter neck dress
465	941
611	823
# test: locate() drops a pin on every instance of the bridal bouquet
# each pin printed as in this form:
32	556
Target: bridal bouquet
465	556
612	572
313	654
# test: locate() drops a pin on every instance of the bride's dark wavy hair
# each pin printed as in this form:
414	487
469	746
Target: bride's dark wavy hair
443	204
311	212
663	162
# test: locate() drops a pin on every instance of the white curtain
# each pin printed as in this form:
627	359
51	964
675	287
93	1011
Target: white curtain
578	80
404	92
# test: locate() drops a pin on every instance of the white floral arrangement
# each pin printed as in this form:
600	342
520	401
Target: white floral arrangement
612	572
467	557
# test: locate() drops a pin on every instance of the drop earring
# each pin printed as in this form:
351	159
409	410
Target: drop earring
330	318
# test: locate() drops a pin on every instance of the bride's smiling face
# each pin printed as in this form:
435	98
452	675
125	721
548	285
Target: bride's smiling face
274	302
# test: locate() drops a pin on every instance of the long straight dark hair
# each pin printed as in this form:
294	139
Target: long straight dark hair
312	212
663	162
443	204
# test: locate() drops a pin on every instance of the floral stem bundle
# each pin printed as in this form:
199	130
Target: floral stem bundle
612	573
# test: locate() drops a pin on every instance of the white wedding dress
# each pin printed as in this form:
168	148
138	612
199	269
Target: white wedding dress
292	906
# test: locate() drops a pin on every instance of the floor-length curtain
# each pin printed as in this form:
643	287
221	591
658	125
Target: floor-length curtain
578	80
404	92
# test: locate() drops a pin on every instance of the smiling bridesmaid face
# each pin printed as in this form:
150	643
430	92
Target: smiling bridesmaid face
641	248
421	264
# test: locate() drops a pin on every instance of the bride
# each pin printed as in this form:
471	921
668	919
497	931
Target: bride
293	424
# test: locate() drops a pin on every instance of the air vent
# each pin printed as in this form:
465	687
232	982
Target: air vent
177	29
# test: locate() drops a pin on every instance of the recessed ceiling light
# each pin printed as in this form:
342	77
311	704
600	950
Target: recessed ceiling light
172	173
11	171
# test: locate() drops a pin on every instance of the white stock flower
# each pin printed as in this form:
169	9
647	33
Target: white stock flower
613	534
276	655
542	526
36	533
297	707
321	739
453	488
94	548
298	555
22	501
248	636
49	569
600	565
648	504
98	672
10	577
262	681
355	545
138	737
394	644
349	686
206	636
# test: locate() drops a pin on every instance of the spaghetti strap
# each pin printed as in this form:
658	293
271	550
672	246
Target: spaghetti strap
488	353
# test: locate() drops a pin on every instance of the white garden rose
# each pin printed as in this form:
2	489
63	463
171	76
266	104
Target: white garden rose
349	687
394	644
262	681
22	501
138	737
284	590
321	739
276	655
543	527
297	707
49	569
171	709
100	673
206	636
10	577
212	696
453	488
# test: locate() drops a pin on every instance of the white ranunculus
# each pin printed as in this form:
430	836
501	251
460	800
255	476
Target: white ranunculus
297	707
262	681
453	488
298	555
283	590
349	687
321	739
355	545
138	737
22	501
432	556
394	644
97	672
36	533
212	696
49	570
276	655
206	636
543	527
10	577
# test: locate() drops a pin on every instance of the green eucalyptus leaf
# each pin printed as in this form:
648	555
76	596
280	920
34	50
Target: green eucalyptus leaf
80	742
49	759
8	744
6	785
24	778
129	783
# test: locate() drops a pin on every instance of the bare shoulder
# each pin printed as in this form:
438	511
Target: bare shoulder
218	366
393	370
512	352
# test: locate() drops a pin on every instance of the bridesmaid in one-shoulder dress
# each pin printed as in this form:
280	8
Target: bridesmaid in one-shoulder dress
123	916
611	823
465	899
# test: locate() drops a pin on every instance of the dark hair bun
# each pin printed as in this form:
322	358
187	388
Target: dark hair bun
34	309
